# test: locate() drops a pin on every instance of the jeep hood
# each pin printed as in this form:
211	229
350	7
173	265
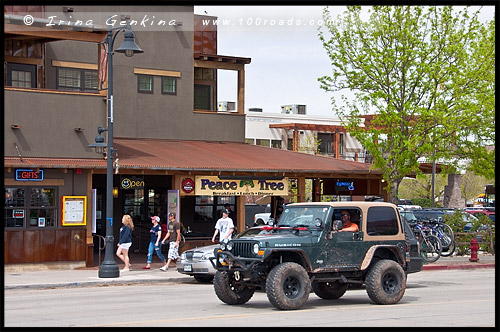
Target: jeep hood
283	239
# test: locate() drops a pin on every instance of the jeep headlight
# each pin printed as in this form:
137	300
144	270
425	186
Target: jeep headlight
223	246
256	248
229	246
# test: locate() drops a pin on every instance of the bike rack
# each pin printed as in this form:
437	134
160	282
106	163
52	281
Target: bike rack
102	245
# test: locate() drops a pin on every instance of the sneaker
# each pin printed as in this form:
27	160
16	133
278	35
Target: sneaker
146	268
164	268
125	270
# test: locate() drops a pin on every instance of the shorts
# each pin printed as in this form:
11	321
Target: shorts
173	251
126	245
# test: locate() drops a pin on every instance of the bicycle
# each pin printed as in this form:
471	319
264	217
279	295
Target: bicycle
430	245
445	234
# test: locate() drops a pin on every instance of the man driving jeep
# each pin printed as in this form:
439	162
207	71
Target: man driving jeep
347	225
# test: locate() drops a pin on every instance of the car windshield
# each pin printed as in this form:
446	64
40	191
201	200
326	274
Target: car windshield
303	216
409	216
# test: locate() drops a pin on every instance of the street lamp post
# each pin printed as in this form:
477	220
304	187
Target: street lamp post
109	268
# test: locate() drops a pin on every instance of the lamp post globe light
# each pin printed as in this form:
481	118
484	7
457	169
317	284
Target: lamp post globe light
109	268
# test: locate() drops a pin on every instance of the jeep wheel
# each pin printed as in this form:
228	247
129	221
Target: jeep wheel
229	291
204	279
288	286
385	282
329	290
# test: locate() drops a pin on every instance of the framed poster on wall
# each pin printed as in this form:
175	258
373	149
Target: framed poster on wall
74	210
173	203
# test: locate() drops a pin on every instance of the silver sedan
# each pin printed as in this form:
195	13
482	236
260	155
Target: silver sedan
196	262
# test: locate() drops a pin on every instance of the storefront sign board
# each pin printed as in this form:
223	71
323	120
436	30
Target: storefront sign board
213	186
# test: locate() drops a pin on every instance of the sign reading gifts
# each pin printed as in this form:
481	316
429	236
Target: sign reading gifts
213	186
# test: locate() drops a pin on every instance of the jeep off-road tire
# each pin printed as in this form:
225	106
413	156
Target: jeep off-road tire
228	291
288	286
329	290
385	282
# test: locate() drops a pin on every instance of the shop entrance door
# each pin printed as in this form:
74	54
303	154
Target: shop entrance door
141	205
133	204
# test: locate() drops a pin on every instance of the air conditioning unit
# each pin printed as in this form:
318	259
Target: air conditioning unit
226	106
293	109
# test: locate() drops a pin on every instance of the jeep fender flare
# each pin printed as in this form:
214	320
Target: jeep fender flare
300	253
371	252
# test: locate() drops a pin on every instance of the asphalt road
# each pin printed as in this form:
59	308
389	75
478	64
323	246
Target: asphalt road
448	298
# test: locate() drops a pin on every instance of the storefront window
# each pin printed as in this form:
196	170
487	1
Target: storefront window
30	207
209	208
133	204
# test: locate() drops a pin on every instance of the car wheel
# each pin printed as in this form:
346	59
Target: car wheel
288	286
385	282
203	278
229	290
259	222
329	290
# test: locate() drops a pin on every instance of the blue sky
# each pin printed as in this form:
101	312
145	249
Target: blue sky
287	56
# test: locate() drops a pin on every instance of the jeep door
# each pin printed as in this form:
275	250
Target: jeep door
344	249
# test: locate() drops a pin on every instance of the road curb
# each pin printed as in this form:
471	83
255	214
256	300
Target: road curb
457	267
100	283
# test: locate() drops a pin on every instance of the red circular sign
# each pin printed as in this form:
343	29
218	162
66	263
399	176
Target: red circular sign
188	185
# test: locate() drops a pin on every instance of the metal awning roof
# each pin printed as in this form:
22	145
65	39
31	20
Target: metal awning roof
207	156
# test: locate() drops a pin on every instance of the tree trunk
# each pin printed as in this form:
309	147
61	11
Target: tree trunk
394	191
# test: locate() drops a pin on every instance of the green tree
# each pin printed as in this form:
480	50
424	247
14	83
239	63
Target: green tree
426	75
472	185
421	186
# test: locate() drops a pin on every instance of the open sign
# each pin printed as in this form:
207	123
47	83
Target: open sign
17	213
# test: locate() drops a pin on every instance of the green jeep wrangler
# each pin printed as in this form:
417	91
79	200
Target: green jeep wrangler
307	250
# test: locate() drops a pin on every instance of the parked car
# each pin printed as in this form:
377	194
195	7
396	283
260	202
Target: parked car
438	214
195	262
407	204
478	212
262	218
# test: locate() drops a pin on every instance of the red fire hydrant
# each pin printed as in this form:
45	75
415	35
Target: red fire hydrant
474	247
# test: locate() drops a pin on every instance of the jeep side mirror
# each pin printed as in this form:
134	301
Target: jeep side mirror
318	223
271	221
336	226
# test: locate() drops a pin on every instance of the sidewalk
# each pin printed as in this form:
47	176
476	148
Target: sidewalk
15	277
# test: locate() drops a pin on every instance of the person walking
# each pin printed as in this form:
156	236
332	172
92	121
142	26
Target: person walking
154	243
225	226
125	241
174	236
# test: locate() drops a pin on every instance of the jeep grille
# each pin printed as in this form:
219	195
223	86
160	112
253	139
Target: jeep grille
243	249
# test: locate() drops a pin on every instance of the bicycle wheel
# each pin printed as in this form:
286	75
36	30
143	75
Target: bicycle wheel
448	238
431	248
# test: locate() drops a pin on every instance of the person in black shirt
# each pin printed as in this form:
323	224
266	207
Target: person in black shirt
125	241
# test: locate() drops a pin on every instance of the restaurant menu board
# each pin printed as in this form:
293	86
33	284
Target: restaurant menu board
74	210
173	202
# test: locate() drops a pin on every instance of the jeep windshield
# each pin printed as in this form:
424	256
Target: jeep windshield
303	217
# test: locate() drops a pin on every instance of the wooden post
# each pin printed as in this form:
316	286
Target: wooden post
89	239
240	214
301	190
295	140
241	90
